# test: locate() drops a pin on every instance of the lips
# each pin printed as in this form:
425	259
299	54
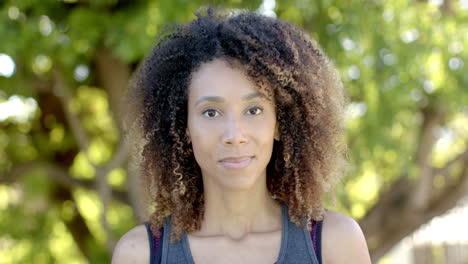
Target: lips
235	159
236	162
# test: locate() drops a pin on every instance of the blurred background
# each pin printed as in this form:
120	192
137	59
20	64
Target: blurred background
68	190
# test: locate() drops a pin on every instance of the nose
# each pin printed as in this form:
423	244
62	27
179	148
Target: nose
234	133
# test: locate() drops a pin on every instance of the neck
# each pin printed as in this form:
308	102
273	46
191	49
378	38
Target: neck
235	214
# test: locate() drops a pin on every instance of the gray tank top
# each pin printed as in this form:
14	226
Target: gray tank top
296	245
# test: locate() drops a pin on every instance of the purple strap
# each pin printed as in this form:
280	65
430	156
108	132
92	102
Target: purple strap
156	249
157	242
313	234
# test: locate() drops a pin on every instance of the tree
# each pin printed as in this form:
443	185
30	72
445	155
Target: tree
65	178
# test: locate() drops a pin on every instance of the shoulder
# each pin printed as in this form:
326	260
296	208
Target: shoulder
133	247
342	234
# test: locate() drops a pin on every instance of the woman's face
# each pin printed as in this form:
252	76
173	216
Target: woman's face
231	126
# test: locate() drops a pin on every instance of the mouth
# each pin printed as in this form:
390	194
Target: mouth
236	162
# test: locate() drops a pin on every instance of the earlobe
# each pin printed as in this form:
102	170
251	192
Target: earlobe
187	136
277	134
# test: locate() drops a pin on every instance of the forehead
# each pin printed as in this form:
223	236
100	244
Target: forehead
226	78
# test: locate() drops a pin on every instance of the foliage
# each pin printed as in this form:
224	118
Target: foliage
399	60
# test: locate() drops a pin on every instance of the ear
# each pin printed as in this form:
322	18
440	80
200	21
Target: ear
277	133
187	136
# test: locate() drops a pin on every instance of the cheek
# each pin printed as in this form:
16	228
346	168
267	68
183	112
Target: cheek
202	143
199	152
264	129
198	141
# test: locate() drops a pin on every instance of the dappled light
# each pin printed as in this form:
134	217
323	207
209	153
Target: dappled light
68	177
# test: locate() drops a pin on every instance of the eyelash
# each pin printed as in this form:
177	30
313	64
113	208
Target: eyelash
256	107
211	109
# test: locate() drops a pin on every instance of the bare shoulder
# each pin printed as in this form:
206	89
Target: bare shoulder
343	240
133	247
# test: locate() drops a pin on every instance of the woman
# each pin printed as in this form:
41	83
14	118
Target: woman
242	117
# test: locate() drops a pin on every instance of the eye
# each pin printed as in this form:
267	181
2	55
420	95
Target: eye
210	113
255	110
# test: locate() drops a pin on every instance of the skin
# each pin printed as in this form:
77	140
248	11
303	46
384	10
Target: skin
228	116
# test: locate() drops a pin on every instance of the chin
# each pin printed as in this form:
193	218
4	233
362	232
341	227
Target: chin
238	183
234	180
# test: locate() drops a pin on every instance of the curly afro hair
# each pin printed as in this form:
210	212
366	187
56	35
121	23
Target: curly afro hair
310	100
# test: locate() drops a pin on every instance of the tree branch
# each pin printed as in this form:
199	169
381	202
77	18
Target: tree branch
450	196
392	217
62	91
75	223
59	175
102	185
113	75
463	157
432	118
104	190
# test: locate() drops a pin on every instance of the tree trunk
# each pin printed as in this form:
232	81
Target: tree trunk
392	218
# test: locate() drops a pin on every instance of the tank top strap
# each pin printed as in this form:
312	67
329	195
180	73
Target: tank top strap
316	236
299	246
154	244
158	250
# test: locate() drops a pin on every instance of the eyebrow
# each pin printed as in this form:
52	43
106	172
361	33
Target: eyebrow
218	99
